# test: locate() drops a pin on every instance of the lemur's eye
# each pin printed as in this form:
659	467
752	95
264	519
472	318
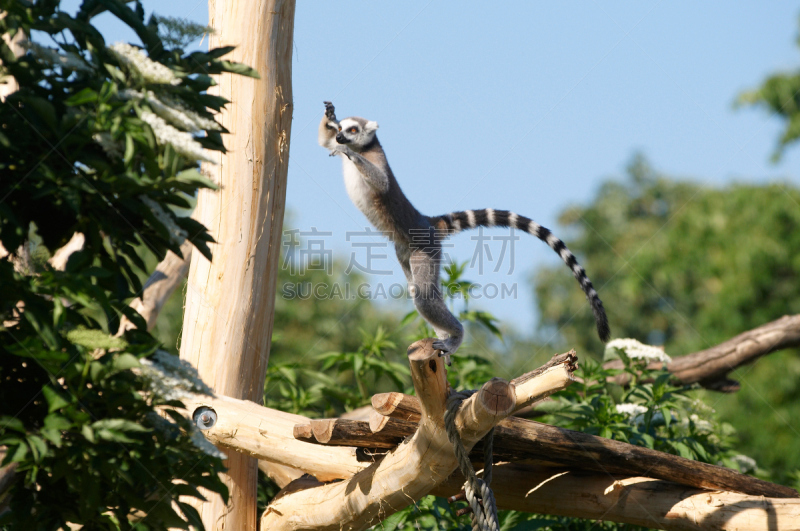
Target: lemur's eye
353	130
340	128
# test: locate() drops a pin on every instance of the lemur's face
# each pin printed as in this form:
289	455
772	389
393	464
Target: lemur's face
356	132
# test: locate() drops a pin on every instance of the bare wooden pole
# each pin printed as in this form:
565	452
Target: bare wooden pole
229	304
633	500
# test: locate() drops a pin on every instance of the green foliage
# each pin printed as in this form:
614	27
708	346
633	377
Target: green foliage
649	412
102	140
177	32
345	377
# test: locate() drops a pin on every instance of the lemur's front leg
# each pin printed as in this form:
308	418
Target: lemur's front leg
328	128
374	176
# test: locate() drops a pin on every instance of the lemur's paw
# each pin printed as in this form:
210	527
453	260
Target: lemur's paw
330	110
340	150
447	346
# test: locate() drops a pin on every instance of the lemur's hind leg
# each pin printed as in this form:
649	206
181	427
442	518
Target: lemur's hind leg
428	299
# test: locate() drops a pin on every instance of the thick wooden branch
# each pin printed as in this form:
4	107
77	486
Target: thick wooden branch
398	406
168	275
409	471
633	500
60	257
710	367
517	439
7	478
345	432
267	434
713	364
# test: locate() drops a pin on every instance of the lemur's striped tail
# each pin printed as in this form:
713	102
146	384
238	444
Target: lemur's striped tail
456	222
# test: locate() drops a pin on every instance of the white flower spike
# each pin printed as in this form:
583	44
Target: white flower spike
151	71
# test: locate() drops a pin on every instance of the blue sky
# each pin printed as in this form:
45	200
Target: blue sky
526	106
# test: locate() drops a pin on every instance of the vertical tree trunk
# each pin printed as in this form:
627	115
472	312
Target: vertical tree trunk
228	317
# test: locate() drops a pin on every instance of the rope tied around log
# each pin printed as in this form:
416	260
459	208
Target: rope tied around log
484	507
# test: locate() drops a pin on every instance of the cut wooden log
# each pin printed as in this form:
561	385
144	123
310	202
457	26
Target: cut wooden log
344	432
398	406
632	500
303	431
716	362
538	383
390	426
268	434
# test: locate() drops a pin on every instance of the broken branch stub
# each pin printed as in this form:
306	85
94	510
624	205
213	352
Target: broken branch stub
405	473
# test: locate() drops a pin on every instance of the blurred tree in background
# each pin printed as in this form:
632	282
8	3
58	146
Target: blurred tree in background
779	94
688	266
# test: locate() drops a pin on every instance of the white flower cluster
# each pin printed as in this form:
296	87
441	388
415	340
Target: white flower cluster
199	440
112	149
636	412
699	424
66	60
172	378
746	464
637	350
173	112
176	233
631	410
151	71
183	143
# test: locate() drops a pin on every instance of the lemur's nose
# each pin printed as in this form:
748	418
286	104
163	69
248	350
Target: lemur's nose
341	138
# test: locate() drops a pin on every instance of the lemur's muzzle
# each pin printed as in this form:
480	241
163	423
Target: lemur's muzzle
340	138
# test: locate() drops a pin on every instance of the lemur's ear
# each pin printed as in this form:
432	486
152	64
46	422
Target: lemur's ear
371	126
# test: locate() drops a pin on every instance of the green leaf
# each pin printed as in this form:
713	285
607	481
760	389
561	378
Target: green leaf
11	423
88	433
125	361
95	339
194	177
87	95
409	317
238	68
54	400
44	109
38	447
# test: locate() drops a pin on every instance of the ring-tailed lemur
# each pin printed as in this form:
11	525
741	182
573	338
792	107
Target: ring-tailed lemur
417	238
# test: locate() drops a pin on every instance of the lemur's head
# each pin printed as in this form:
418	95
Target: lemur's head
356	132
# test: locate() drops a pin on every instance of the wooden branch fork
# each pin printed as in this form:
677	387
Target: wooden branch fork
416	465
348	474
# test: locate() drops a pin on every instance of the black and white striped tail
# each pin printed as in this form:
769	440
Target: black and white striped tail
456	222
